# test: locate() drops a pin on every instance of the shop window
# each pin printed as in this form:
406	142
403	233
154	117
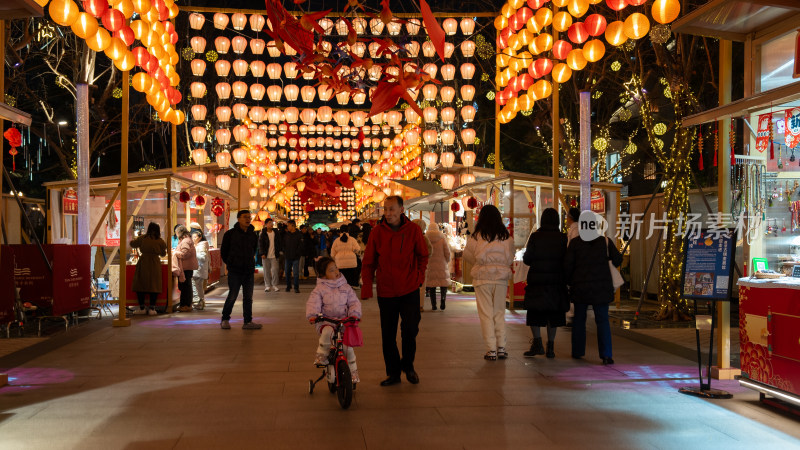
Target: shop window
777	62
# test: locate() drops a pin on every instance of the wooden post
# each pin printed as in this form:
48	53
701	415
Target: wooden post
555	118
3	377
723	370
174	132
122	320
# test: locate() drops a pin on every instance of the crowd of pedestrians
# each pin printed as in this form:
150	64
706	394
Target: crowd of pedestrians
568	273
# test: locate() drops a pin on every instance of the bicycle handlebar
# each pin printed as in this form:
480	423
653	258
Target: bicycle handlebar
336	321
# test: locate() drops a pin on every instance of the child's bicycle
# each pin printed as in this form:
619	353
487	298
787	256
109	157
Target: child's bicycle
336	372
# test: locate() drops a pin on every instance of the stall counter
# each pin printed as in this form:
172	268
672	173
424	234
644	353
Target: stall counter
769	334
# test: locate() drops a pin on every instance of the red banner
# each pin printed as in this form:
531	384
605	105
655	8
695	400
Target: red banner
62	291
792	120
762	137
112	232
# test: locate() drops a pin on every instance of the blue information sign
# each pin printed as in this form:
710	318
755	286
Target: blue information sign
708	264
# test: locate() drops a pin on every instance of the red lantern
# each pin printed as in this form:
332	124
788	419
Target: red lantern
126	34
561	49
217	206
163	10
95	7
577	33
541	67
507	33
536	4
523	14
617	5
525	81
514	24
514	84
472	203
595	24
141	56
113	20
184	197
455	207
636	2
199	200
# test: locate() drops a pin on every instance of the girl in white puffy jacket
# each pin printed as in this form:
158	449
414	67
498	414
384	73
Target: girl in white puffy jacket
490	250
335	299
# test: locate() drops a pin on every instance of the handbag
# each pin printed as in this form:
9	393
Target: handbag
616	277
352	335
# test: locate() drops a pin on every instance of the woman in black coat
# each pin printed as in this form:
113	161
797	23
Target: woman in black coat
589	280
546	292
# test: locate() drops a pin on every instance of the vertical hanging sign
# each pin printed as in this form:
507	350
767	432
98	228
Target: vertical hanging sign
70	202
762	137
792	131
113	228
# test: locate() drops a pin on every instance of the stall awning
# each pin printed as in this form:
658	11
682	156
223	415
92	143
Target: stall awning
14	115
746	106
428	187
735	19
19	9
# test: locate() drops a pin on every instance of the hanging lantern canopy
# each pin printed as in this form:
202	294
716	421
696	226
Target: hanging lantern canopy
197	89
196	21
223	136
468	113
291	91
448	115
198	44
240	68
240	156
238	21
198	67
468	136
199	156
256	22
447	94
448	138
447	180
615	33
594	50
222	44
239	89
467	26
198	134
467	71
220	21
448	72
223	159
257	46
199	112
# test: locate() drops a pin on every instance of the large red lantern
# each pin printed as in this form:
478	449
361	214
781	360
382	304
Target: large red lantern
561	49
617	5
523	14
536	4
636	2
541	67
577	33
595	24
525	81
125	34
113	20
141	56
95	7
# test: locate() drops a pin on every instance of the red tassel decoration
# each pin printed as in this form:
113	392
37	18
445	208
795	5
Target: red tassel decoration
771	143
700	147
716	143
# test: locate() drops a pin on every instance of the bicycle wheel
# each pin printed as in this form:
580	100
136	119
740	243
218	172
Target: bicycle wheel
331	382
344	383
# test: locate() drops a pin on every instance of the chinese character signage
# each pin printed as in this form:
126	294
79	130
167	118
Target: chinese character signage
113	228
792	127
708	265
598	202
70	202
762	138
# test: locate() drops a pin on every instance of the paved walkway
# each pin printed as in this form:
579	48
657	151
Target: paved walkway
179	382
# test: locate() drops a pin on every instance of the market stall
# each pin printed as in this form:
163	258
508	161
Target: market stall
769	329
162	197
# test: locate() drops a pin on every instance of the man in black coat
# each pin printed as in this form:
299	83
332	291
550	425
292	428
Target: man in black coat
292	250
238	246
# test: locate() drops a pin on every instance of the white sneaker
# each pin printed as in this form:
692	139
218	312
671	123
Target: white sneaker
321	360
355	377
266	289
275	289
140	312
152	312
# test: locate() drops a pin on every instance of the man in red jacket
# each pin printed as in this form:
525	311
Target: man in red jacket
397	250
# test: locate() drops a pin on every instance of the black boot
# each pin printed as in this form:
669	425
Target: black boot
432	295
444	292
550	350
536	348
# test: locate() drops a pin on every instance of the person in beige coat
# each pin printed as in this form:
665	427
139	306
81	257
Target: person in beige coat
345	251
438	273
423	289
147	276
186	256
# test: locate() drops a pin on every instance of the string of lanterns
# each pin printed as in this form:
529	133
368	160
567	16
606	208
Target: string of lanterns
530	50
116	32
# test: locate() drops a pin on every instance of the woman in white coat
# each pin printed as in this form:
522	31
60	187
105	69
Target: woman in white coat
344	252
490	250
201	274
